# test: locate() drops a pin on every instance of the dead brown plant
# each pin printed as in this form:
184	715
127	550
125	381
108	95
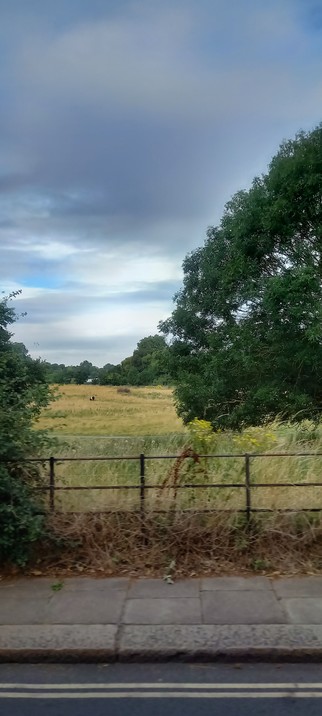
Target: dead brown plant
197	543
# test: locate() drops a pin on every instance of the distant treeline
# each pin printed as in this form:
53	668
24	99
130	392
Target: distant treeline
147	366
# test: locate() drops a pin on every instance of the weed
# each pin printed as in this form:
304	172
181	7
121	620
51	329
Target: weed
258	564
169	576
57	586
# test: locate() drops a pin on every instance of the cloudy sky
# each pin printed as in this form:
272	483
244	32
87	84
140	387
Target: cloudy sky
125	126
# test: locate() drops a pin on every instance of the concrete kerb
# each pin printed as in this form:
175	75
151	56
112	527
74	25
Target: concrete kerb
271	642
191	643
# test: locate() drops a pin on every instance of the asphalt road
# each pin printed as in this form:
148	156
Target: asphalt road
160	690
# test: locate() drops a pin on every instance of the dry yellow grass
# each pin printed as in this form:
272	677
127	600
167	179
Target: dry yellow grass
95	428
144	411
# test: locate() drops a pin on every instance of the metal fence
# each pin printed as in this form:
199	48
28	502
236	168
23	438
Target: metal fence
246	485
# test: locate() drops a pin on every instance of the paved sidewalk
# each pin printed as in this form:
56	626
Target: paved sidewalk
85	619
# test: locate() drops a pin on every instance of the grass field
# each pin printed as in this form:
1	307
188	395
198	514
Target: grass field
144	411
145	421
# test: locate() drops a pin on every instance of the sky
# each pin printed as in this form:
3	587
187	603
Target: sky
125	127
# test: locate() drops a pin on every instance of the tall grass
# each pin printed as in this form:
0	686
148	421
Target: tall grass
169	474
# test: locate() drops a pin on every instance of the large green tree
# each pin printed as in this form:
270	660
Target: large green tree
23	393
246	332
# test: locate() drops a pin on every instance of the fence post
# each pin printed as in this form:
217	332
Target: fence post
52	484
142	496
142	484
247	487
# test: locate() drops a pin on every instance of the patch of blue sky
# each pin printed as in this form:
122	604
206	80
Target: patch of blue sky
42	281
311	15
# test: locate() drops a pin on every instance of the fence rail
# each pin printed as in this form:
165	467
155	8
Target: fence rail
247	485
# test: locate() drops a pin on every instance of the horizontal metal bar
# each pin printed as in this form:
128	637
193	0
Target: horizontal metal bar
189	511
285	454
96	459
285	510
98	487
175	457
286	484
137	487
190	486
146	457
154	512
198	484
159	457
62	488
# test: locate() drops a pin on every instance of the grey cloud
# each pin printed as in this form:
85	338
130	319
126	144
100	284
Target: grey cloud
7	224
44	308
72	351
12	181
124	119
158	293
84	346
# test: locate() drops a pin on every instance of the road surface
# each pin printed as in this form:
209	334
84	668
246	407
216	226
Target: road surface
161	690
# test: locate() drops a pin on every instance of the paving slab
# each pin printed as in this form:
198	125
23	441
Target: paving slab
162	611
303	610
37	586
95	585
233	607
19	610
298	586
159	588
58	643
235	583
85	607
276	641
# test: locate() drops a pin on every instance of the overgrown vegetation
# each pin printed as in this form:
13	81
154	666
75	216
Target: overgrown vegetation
189	466
116	543
182	539
23	394
182	544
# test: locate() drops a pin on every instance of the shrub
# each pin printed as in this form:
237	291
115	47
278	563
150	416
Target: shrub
23	393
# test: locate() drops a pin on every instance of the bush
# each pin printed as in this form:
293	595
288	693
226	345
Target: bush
20	520
23	393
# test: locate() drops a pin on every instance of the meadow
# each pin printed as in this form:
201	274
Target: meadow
141	412
145	421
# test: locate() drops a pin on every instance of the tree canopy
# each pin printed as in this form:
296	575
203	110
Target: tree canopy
246	332
147	365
